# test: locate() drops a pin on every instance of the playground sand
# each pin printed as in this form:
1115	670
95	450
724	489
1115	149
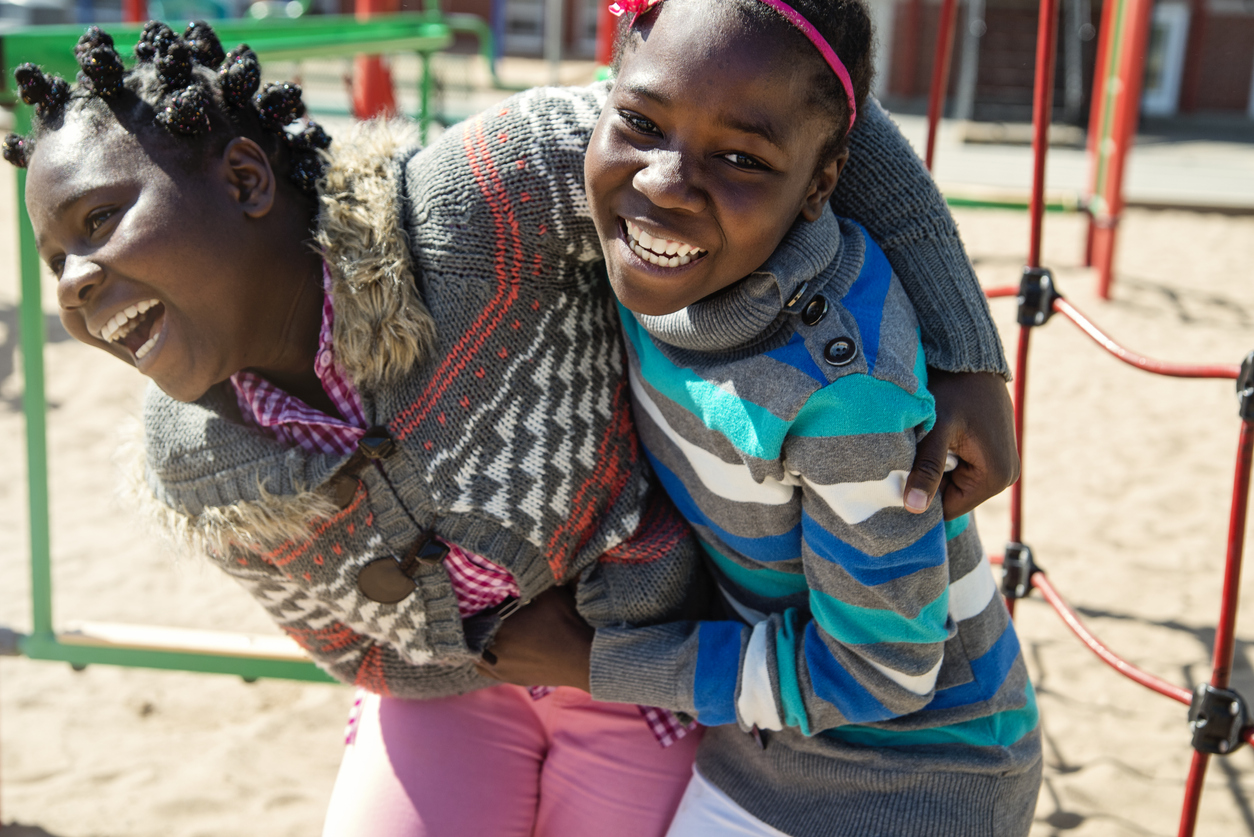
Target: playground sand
1127	490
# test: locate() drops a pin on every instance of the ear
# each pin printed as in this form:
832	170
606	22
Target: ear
250	177
822	186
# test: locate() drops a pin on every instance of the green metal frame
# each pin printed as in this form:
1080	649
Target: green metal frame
52	47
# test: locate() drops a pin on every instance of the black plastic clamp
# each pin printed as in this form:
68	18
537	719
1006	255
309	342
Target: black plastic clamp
1036	296
1245	388
1217	717
1018	567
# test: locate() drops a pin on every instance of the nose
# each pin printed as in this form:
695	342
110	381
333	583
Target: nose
79	276
669	181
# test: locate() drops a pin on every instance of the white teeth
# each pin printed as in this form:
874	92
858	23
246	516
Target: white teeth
659	251
147	347
123	322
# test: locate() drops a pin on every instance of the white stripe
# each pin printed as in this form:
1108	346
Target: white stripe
745	612
729	480
969	595
920	684
854	502
756	704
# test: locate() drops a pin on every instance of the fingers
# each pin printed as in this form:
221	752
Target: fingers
928	469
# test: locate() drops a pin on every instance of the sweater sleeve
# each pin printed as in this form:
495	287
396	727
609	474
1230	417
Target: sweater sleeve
869	641
885	188
348	656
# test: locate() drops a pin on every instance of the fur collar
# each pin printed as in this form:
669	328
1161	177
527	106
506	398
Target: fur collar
382	326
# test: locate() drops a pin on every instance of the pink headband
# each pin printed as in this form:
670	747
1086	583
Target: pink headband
639	7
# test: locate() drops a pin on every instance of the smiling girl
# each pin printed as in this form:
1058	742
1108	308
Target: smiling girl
865	678
391	400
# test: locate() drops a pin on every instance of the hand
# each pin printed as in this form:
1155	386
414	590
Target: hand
545	643
975	420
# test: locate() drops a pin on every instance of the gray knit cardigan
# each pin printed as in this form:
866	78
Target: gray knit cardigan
473	316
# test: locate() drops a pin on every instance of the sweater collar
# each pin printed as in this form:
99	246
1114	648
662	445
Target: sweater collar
749	310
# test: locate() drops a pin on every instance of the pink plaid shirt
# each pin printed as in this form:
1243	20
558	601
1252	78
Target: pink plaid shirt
477	583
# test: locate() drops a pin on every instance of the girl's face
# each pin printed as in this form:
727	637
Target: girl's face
153	264
704	157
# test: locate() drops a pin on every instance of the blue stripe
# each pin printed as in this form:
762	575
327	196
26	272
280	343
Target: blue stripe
797	355
838	687
858	404
925	553
767	549
1001	729
853	625
990	672
865	298
718	668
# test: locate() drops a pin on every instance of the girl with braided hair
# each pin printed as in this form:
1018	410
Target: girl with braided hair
391	400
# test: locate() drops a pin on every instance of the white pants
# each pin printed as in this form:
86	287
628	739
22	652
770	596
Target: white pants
705	811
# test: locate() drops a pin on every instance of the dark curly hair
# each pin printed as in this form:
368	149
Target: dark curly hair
185	95
845	24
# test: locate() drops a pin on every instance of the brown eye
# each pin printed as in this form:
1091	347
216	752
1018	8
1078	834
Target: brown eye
743	161
638	123
96	219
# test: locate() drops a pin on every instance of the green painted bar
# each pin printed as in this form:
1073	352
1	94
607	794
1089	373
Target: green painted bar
31	335
46	647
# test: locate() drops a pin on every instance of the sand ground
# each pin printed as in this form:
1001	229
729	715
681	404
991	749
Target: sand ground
1128	481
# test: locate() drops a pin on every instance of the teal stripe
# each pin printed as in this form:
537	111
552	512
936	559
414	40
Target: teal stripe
764	582
955	527
855	625
786	664
999	730
858	404
920	363
751	428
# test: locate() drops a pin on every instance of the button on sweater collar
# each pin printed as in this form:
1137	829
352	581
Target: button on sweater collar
743	313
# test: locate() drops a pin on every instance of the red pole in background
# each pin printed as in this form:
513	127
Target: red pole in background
607	30
372	83
1105	33
1120	107
134	11
940	73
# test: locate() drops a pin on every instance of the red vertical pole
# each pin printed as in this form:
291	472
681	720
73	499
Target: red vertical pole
1128	62
910	54
1042	115
1225	631
607	30
372	83
940	73
134	11
1105	34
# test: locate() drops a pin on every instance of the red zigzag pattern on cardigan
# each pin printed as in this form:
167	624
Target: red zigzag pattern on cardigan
507	283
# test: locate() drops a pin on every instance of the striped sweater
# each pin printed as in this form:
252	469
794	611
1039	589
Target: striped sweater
862	641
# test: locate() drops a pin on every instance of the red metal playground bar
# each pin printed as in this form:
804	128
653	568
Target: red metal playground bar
1218	717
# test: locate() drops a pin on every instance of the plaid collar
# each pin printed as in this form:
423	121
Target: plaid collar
287	418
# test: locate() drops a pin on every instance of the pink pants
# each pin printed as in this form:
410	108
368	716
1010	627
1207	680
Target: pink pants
496	762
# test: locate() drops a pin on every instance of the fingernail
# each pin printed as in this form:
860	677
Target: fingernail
916	500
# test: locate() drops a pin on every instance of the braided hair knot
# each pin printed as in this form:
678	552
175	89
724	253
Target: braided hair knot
240	76
16	150
154	41
279	104
103	69
206	48
47	93
186	112
174	66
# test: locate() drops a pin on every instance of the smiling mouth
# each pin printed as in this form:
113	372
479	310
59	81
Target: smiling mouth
662	252
133	327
